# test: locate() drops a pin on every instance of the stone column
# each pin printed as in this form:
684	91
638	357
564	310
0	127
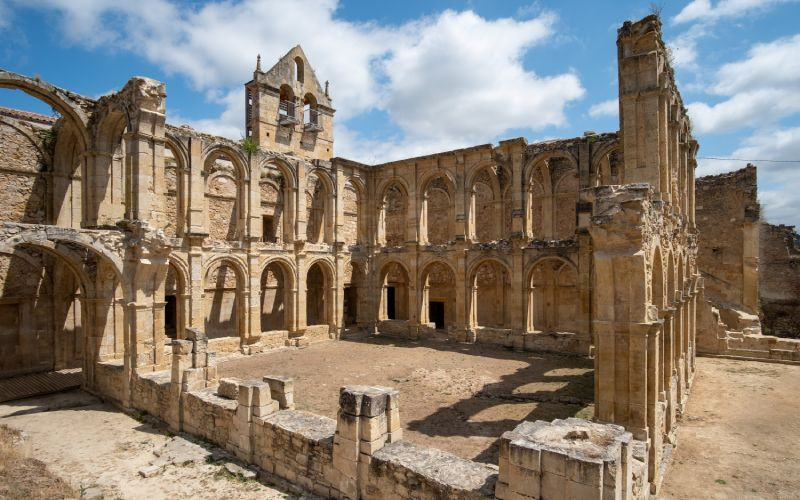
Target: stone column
368	419
196	191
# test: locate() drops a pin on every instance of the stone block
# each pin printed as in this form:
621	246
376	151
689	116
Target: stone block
524	454
345	448
585	471
553	486
554	463
346	467
370	447
181	347
264	410
350	398
395	436
348	426
261	394
583	491
372	428
393	420
229	388
524	481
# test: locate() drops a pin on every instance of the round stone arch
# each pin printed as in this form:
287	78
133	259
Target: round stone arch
489	288
393	205
485	205
224	307
176	298
395	285
603	170
540	183
552	295
320	203
52	95
320	292
225	205
353	225
174	180
278	292
436	212
437	292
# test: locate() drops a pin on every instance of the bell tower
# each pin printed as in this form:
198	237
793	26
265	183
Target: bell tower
287	110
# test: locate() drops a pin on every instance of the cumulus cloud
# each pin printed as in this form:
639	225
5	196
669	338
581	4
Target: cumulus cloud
605	108
777	182
758	90
446	80
705	11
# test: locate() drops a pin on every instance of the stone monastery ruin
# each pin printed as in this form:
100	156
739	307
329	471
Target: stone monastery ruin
139	251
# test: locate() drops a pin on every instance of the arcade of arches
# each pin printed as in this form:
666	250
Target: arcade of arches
121	232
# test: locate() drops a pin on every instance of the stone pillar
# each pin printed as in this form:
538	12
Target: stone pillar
517	299
282	390
565	459
368	418
254	401
196	191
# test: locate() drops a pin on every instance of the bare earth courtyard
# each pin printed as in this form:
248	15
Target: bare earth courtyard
456	397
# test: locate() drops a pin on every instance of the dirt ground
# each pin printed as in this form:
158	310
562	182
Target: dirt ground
740	437
94	446
455	397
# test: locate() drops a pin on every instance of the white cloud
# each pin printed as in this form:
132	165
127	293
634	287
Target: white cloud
684	47
777	182
447	80
5	15
759	89
705	11
605	108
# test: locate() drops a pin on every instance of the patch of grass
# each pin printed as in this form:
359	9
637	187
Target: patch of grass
721	481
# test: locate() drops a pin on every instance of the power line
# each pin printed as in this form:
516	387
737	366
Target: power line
741	159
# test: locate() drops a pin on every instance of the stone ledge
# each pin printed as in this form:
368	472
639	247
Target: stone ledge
312	427
446	470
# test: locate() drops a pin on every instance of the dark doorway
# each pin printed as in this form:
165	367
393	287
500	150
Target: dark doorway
436	314
391	313
350	305
170	316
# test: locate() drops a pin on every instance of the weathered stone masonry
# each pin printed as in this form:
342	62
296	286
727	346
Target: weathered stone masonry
150	248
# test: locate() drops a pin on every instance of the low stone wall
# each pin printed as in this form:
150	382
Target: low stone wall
151	393
109	380
298	447
361	454
406	470
394	328
559	342
741	338
225	344
317	333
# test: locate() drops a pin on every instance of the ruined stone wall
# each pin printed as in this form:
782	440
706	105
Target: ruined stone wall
23	167
779	280
727	213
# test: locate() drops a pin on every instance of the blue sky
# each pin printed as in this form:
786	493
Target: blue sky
416	77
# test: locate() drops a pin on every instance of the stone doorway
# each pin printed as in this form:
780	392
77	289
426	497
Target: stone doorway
391	310
350	305
171	316
436	314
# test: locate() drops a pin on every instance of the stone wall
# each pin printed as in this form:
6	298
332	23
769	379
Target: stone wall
727	215
779	280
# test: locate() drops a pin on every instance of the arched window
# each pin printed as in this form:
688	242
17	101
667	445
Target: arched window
286	112
298	69
311	113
